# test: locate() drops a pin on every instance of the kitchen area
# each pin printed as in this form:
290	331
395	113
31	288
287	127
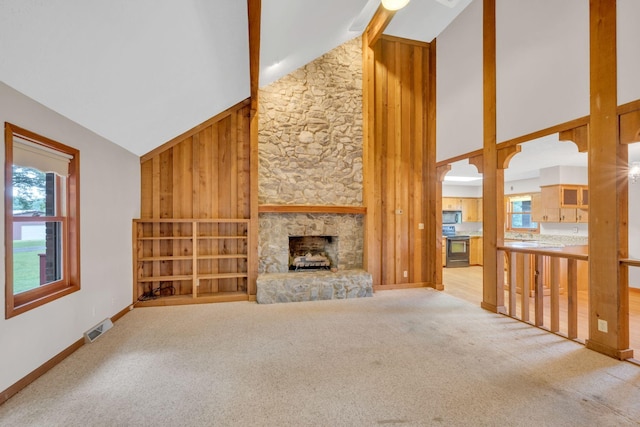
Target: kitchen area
546	215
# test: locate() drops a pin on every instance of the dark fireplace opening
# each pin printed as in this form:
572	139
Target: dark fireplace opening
312	253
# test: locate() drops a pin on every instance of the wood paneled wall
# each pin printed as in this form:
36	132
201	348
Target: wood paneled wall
203	173
400	250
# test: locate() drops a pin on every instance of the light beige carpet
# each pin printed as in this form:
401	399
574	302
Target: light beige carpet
402	358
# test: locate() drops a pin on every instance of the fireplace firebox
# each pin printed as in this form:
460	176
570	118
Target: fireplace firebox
312	252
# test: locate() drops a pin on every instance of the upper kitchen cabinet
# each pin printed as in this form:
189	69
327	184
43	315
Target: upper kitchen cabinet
562	203
471	207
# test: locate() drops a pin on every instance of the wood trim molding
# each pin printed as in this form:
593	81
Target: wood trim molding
505	154
377	25
630	127
312	209
460	157
478	162
377	288
441	171
38	372
579	136
629	107
178	139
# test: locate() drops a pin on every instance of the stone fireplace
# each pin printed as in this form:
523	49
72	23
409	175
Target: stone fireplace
310	154
276	230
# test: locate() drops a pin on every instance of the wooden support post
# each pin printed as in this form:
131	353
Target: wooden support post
492	185
608	301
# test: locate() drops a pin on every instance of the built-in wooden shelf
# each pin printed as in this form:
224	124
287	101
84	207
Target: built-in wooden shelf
188	261
312	209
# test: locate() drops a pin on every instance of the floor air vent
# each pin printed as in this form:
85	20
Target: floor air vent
92	334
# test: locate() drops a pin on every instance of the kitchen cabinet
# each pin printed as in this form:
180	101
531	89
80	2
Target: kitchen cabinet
561	203
470	210
471	207
451	204
475	250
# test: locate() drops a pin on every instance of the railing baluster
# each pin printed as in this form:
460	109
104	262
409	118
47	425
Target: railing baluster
554	279
512	283
572	292
526	286
539	293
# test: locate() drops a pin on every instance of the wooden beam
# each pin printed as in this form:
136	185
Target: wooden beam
608	297
578	135
377	25
254	9
547	131
478	162
460	157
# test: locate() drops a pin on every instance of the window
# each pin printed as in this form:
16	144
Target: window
42	221
519	214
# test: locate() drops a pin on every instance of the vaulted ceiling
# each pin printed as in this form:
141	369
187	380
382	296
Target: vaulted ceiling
142	72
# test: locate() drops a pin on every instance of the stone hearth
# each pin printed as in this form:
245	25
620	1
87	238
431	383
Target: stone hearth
313	286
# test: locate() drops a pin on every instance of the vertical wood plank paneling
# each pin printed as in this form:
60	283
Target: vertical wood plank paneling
432	190
375	206
388	190
206	174
418	172
401	153
146	189
166	184
404	59
225	198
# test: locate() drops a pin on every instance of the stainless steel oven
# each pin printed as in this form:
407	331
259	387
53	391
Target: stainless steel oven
457	251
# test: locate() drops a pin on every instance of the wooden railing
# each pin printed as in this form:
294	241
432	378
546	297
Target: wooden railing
548	277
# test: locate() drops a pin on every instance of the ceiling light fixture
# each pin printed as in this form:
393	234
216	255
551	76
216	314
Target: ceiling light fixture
394	4
634	172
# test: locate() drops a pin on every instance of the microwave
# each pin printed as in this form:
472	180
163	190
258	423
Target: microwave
451	217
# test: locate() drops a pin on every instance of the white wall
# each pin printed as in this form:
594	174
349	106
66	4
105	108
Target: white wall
542	60
449	190
520	186
110	198
459	85
628	58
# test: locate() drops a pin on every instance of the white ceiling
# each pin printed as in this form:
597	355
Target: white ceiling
141	72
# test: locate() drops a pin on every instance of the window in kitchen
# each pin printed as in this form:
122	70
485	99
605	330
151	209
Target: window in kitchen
519	217
42	201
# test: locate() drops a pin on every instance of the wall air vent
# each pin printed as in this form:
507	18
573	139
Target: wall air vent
92	334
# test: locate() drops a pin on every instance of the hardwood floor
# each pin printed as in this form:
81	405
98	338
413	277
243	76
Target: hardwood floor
466	284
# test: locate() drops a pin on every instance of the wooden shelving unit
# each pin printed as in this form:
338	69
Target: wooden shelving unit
190	261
